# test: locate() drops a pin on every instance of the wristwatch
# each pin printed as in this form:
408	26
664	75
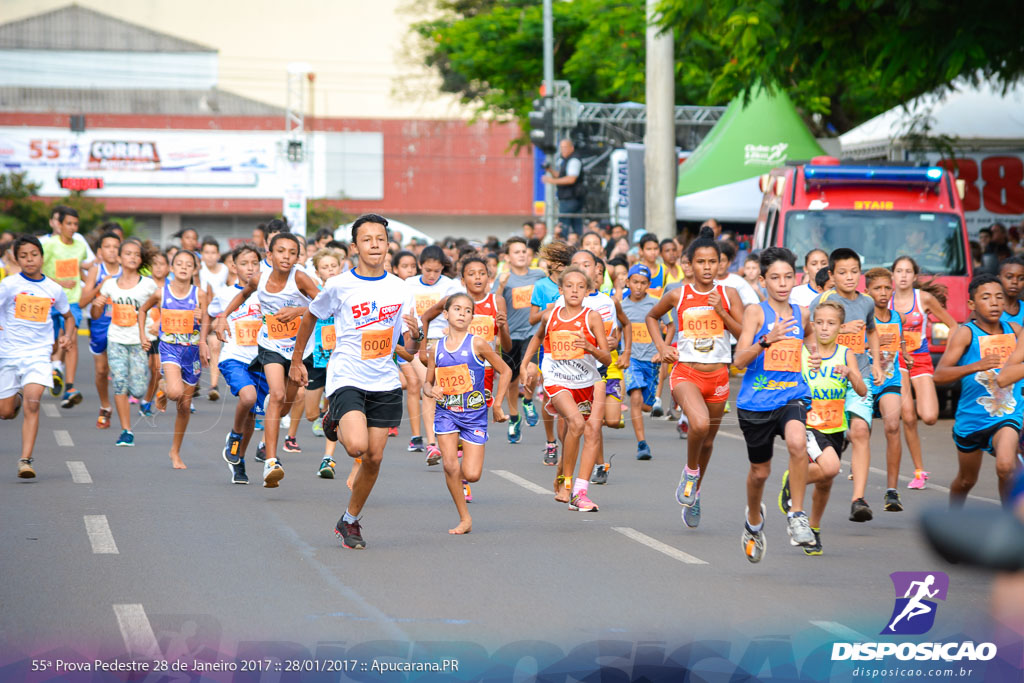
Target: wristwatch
763	341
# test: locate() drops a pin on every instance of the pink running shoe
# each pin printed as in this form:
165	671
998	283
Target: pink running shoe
466	491
919	481
433	454
581	503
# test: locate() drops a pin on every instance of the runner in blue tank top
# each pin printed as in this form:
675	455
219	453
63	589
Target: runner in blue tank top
985	356
1011	276
772	398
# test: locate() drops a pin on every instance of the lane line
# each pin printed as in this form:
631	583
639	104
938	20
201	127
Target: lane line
844	632
63	438
79	474
655	544
525	483
99	535
136	631
51	410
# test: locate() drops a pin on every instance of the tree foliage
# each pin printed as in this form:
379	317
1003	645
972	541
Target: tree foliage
21	210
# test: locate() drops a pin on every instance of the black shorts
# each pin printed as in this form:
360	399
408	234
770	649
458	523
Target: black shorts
833	440
982	440
761	427
268	357
154	348
317	376
513	357
876	411
381	408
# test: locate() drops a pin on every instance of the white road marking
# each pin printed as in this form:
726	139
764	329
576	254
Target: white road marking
51	410
844	632
525	483
99	535
63	438
655	544
136	631
79	474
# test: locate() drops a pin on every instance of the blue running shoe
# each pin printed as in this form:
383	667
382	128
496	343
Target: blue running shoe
232	446
643	451
531	412
238	475
686	492
515	429
691	515
126	439
146	409
257	424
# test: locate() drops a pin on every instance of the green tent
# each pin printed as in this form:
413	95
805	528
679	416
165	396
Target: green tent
747	142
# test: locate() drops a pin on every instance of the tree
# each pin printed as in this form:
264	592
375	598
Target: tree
23	211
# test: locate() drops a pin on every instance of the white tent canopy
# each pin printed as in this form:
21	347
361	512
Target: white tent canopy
737	202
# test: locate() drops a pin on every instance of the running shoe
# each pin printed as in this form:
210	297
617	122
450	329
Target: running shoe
656	409
860	511
58	383
643	451
919	481
286	422
257	424
799	529
351	535
103	420
515	429
238	475
691	515
273	473
232	446
214	395
291	445
686	492
415	444
25	470
146	409
892	501
785	495
326	470
318	426
531	413
392	432
754	542
433	454
161	400
816	548
551	453
466	491
261	452
72	397
192	408
126	439
580	503
683	427
132	400
330	426
600	474
726	407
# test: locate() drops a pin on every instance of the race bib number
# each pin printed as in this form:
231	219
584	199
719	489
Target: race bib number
826	414
177	322
454	379
998	344
912	340
852	340
783	356
888	338
247	332
482	326
66	269
641	335
376	344
655	292
124	315
281	330
425	301
563	345
608	325
35	309
328	338
521	296
701	324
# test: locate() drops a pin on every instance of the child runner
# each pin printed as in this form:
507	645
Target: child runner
752	274
670	261
406	266
650	250
804	294
239	333
707	313
327	263
182	340
826	419
364	392
887	396
574	343
1011	276
515	285
159	268
106	265
26	340
456	381
213	277
771	400
859	335
988	414
915	301
63	256
124	295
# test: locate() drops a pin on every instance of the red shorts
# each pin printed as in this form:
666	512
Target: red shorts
922	364
713	386
584	398
489	385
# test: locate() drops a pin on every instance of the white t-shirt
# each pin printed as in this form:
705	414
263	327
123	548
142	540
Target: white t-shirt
425	296
26	331
367	323
214	280
134	297
251	317
747	294
803	295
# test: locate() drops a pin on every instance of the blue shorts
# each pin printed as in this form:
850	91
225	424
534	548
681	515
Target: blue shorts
98	334
237	375
643	375
471	427
58	319
186	357
861	406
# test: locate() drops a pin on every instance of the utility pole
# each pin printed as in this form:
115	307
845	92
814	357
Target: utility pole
296	154
549	90
660	139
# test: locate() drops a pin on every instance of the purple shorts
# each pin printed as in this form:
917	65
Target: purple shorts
470	426
185	357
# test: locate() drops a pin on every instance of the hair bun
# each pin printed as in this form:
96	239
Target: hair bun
706	233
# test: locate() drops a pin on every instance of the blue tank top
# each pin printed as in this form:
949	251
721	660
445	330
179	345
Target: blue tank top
1018	318
102	274
982	403
456	364
890	362
764	390
321	355
173	303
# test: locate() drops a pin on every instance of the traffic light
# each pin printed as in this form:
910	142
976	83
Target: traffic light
542	125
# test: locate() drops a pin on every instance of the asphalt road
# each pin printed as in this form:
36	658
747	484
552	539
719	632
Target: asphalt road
110	550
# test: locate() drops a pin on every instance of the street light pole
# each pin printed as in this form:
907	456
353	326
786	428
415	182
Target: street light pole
660	137
549	90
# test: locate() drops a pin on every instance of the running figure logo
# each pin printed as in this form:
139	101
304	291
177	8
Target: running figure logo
914	612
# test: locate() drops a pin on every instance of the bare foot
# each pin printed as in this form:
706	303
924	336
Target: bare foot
464	527
176	462
562	496
351	478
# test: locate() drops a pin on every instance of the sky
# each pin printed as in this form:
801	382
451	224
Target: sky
358	50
